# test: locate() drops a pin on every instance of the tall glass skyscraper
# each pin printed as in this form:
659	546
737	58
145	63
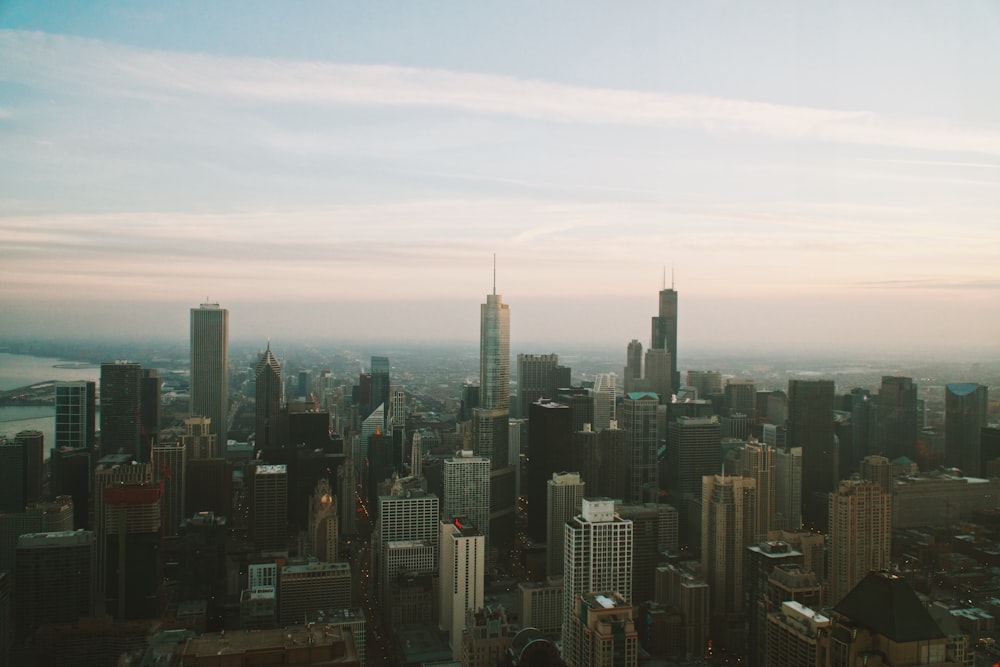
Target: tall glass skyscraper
494	354
76	415
268	400
210	367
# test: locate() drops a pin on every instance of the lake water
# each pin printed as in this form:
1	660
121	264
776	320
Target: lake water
20	370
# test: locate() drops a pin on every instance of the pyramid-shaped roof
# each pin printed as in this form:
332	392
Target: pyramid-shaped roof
886	604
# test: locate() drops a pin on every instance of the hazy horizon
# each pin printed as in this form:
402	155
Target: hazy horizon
818	177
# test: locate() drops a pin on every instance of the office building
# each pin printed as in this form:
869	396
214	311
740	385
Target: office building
605	629
550	428
565	501
169	465
639	423
694	449
654	532
411	517
494	354
461	576
810	426
796	636
860	532
540	605
149	410
133	549
897	417
602	460
759	465
269	507
210	369
597	549
21	470
486	637
72	476
76	415
605	390
209	487
112	471
740	396
199	441
268	402
679	587
122	410
323	520
633	367
55	580
467	490
536	379
305	587
705	383
664	332
728	510
788	488
877	469
380	388
760	561
966	406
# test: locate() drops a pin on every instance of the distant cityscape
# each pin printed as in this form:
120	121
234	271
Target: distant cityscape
293	503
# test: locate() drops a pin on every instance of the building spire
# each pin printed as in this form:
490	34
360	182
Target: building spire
494	274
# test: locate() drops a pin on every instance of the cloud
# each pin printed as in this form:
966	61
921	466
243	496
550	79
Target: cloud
56	63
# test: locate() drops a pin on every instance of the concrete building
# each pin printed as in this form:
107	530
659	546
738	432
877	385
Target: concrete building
169	463
467	490
605	630
486	637
565	500
269	507
308	586
795	635
598	557
462	577
605	390
788	488
540	605
55	582
860	534
210	368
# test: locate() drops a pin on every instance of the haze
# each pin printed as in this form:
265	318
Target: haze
818	176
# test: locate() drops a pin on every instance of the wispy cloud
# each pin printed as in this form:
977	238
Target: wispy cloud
53	61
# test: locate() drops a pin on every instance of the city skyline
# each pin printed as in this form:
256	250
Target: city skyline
823	175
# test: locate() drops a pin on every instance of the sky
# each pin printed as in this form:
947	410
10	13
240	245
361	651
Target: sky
816	176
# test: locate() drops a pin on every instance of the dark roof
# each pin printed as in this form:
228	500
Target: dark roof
886	604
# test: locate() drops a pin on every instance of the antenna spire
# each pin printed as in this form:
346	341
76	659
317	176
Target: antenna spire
664	276
494	274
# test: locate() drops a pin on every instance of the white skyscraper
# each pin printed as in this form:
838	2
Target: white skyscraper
411	517
597	549
462	577
210	367
604	400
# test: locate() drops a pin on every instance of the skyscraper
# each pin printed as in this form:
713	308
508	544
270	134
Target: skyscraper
549	451
268	401
860	516
269	507
461	576
897	417
633	367
965	410
467	490
693	451
494	353
76	415
758	465
210	367
55	578
664	335
810	426
597	549
728	510
121	428
380	388
604	400
565	500
639	422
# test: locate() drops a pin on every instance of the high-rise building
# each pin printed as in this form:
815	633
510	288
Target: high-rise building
694	450
121	413
323	534
810	426
112	471
602	460
860	532
76	415
380	387
170	469
72	475
965	411
597	550
467	490
535	379
565	501
268	401
149	409
408	522
760	561
305	587
605	629
604	400
664	334
705	383
133	544
269	507
210	367
877	469
461	576
21	473
494	354
550	427
55	578
487	637
897	417
728	511
741	397
639	424
654	532
199	440
788	488
795	636
758	465
633	367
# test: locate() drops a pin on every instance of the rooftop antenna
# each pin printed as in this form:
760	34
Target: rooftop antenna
671	277
665	276
494	274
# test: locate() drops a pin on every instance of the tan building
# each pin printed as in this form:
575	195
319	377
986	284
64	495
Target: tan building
859	538
605	635
301	645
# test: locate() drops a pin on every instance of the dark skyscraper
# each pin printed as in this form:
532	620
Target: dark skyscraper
210	367
639	423
149	409
665	332
380	388
268	401
897	417
810	426
121	412
965	409
550	432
